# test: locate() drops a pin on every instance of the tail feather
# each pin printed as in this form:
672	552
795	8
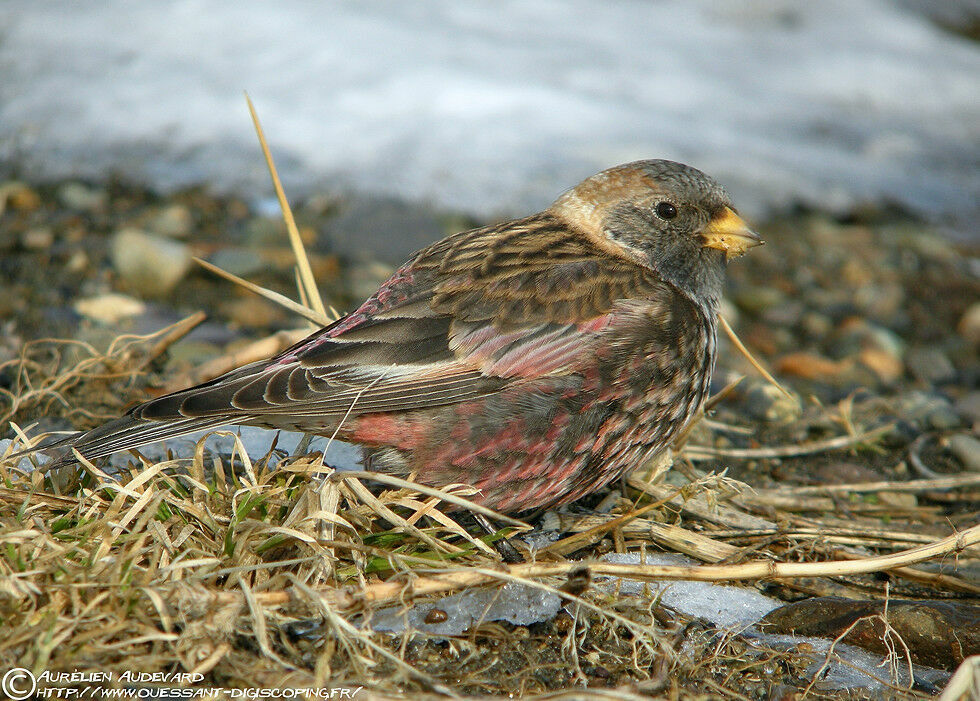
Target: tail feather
122	434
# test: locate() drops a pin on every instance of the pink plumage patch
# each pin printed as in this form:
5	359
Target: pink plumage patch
397	431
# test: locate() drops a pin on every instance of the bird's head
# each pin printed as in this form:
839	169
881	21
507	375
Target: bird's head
664	215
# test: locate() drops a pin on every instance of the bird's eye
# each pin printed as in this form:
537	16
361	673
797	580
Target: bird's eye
665	210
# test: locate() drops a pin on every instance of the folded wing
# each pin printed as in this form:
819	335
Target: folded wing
466	317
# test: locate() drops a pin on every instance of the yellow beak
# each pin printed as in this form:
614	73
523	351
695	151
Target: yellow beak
727	232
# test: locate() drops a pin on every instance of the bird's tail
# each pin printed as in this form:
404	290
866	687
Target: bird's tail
120	434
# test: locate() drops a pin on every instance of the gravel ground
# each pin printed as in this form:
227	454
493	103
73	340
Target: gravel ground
872	322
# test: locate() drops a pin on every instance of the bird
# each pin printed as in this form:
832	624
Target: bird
534	360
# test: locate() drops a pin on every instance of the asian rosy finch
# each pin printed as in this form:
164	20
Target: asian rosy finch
535	360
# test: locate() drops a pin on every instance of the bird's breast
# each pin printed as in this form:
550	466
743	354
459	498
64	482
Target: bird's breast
656	373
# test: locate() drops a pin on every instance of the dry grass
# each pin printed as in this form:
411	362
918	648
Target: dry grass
260	577
196	566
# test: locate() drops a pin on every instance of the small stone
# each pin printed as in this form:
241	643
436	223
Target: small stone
786	313
252	312
930	365
918	407
19	196
189	353
237	261
886	366
364	278
899	500
82	197
816	325
937	633
884	339
943	418
368	226
150	264
811	366
38	238
968	406
844	472
78	262
109	308
969	326
856	334
174	221
931	246
764	401
967	450
756	299
265	231
880	301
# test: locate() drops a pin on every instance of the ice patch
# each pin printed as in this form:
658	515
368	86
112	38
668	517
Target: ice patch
256	441
516	603
496	107
724	606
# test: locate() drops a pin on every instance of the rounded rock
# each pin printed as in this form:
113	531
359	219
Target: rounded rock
930	365
969	326
109	308
967	449
81	197
150	265
175	221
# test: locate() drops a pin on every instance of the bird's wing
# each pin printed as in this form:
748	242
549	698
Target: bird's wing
464	318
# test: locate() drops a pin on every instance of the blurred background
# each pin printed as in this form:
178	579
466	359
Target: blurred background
494	108
847	131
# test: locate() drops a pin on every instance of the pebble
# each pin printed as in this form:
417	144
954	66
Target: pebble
816	325
237	261
109	308
884	365
265	231
364	278
764	401
919	408
758	299
19	196
811	366
880	301
78	262
858	334
967	450
150	265
844	471
786	313
174	221
38	239
969	406
930	365
969	326
189	353
938	633
930	245
81	197
388	228
943	418
251	312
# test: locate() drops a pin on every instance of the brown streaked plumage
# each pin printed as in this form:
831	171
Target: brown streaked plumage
535	360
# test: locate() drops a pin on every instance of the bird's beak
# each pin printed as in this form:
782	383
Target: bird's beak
727	232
